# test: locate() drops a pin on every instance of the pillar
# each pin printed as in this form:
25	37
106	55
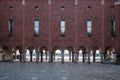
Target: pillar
94	56
46	56
37	56
41	56
20	56
31	56
50	57
24	56
62	56
83	57
114	57
1	55
72	56
88	56
69	56
11	56
76	55
101	57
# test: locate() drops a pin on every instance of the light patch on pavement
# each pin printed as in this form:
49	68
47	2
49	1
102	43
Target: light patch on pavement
43	71
3	78
64	78
34	78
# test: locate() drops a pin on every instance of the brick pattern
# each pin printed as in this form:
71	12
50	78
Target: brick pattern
50	16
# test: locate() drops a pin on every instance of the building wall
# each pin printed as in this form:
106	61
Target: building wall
50	16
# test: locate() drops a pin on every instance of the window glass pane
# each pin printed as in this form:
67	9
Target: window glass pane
10	27
62	26
36	23
36	27
62	23
89	26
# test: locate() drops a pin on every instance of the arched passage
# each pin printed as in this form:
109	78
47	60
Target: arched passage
56	54
109	54
17	55
82	56
6	54
95	54
69	54
29	54
44	56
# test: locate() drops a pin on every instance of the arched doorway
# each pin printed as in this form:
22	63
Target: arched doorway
44	56
109	54
17	55
6	54
82	56
95	55
69	54
56	54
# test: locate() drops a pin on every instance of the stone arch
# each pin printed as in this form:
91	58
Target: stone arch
17	54
44	53
6	53
56	53
109	53
70	55
82	56
95	54
29	53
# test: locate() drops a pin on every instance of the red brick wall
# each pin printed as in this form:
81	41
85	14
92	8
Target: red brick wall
50	16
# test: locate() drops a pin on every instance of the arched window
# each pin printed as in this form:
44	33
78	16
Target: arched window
62	27
113	31
10	27
36	27
89	27
62	8
36	7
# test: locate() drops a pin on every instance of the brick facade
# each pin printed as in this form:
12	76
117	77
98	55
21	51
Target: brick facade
75	14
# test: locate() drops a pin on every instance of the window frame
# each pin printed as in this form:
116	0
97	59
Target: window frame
62	27
36	27
89	27
10	27
113	28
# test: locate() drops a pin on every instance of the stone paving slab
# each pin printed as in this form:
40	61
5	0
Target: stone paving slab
58	71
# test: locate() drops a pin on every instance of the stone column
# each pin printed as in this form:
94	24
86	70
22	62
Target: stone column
1	55
11	56
101	57
20	56
93	56
41	56
50	57
62	55
37	56
83	57
72	56
88	56
31	56
76	57
114	57
24	56
69	56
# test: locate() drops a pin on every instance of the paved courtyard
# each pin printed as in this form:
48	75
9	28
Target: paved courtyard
58	71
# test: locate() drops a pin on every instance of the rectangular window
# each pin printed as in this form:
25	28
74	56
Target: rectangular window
36	27
10	27
62	25
113	31
89	27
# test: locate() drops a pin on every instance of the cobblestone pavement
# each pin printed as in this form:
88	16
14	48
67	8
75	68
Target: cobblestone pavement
58	71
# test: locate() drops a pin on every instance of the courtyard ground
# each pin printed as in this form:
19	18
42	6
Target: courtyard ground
58	71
